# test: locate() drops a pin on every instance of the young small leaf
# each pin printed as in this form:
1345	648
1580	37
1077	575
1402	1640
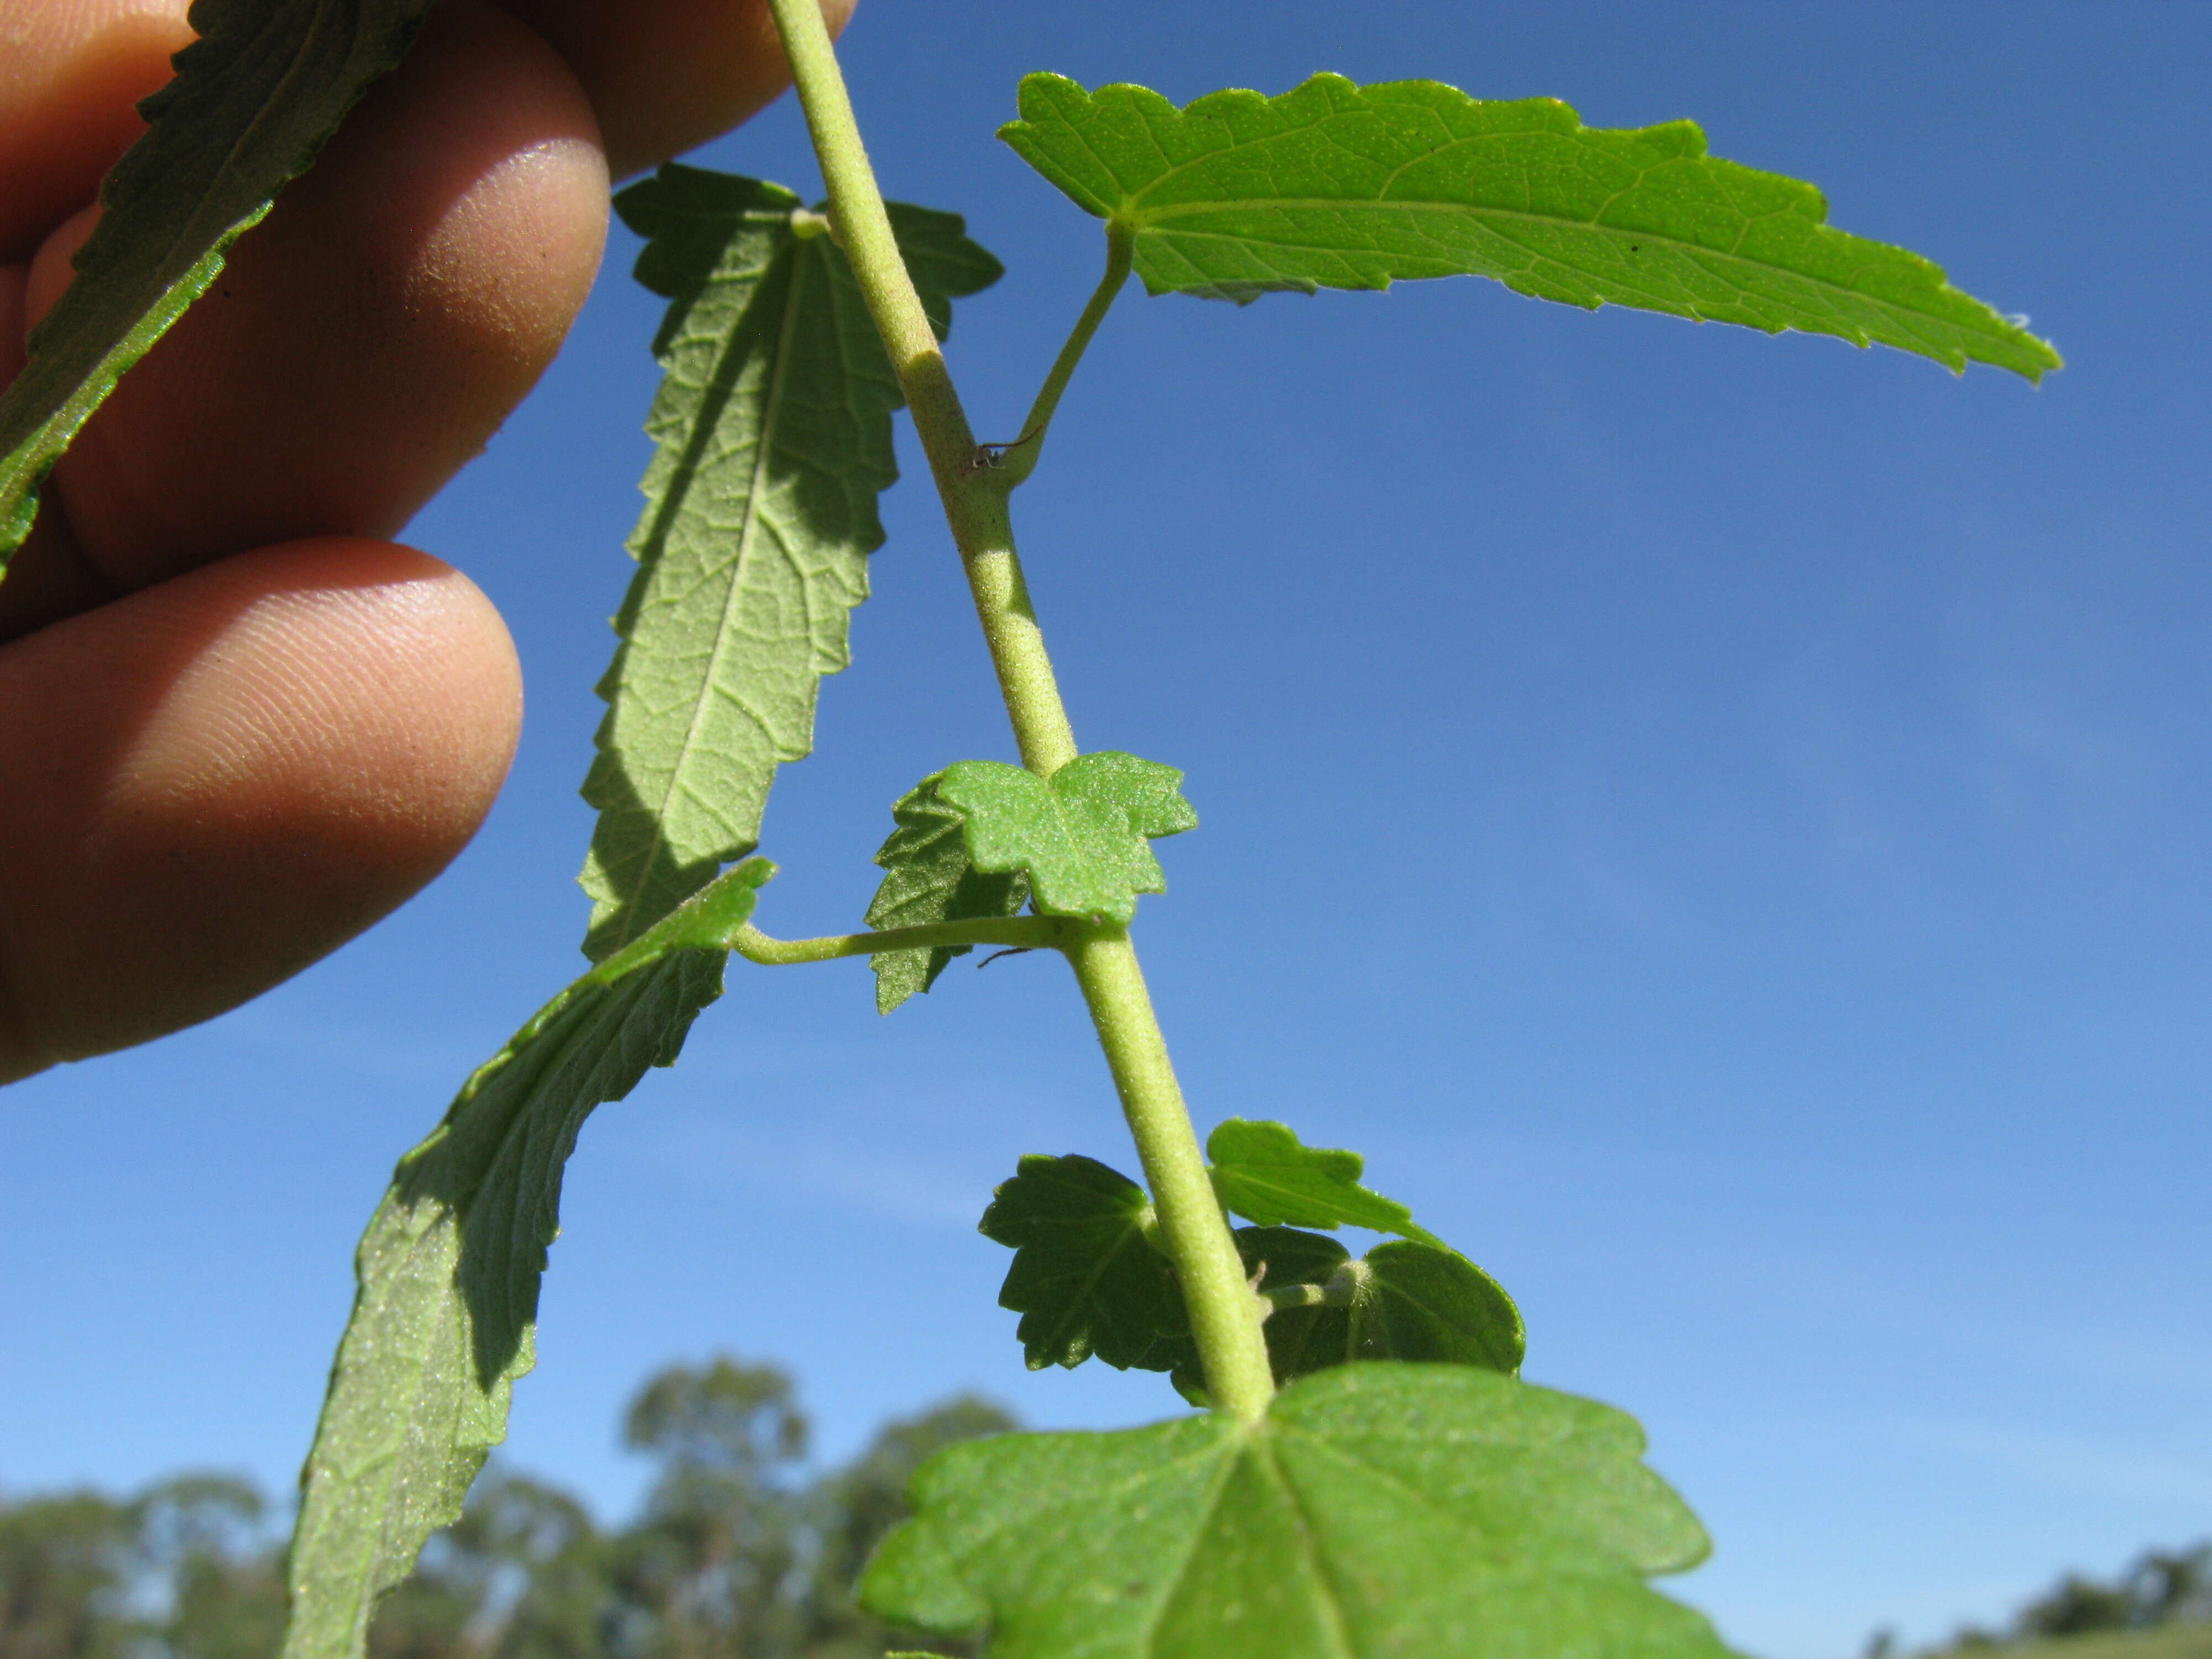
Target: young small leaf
928	878
1402	1300
1263	1173
444	1318
1334	184
253	101
774	426
1412	1511
1083	1279
1081	835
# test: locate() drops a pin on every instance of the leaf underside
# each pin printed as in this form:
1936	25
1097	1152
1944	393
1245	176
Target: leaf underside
773	434
1334	184
253	101
1409	1301
1082	835
1084	1277
449	1270
928	878
1412	1511
1262	1172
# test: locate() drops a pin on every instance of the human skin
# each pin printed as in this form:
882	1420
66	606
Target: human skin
241	723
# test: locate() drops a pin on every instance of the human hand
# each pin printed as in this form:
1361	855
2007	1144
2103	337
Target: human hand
241	723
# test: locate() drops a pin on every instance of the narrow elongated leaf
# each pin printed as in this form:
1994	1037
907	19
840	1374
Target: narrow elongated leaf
1412	1511
929	877
449	1269
253	101
1082	835
1334	184
1084	1277
775	439
1265	1174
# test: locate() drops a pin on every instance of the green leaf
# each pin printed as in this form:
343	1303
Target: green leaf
928	878
1334	184
1263	1173
1084	1278
1402	1300
774	426
444	1318
1412	1511
253	101
1081	835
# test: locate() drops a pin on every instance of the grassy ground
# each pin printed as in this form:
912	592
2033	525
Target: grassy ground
2175	1641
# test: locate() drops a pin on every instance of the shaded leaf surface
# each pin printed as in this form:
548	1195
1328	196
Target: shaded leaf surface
253	101
449	1269
1082	835
1264	1173
1334	184
928	878
1413	1511
1402	1301
773	434
1083	1279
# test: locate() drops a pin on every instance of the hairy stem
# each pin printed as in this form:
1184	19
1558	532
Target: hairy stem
1224	1315
1018	933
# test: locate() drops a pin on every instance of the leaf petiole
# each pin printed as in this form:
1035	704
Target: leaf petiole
1018	933
1020	458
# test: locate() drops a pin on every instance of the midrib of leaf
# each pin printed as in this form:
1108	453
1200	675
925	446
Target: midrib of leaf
1324	1593
673	507
1105	1260
1143	217
1226	1467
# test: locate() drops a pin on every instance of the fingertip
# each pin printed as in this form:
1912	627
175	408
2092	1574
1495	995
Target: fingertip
364	341
222	778
666	79
72	74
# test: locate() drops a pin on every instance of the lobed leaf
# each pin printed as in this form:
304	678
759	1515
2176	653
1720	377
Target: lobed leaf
1412	1511
443	1321
1084	1278
773	431
253	99
928	878
1262	1172
1081	835
1402	1301
1334	184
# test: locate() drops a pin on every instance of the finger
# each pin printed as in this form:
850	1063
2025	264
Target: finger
666	77
219	780
71	73
368	338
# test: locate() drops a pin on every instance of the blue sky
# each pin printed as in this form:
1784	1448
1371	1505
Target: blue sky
1724	824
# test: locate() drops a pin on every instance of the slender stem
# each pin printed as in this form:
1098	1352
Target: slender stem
1021	457
975	509
1225	1313
1019	932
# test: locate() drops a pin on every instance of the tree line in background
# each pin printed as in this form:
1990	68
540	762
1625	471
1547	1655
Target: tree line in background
737	1555
2160	1588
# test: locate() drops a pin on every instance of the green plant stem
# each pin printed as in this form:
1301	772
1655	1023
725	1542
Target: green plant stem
1022	455
1225	1313
976	510
1016	933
